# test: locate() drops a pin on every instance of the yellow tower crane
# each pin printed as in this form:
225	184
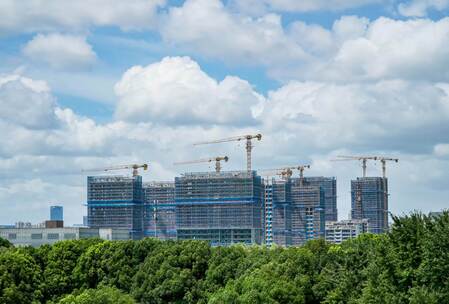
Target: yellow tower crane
134	168
217	160
249	145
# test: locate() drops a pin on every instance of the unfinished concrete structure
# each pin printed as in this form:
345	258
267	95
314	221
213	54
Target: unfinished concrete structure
369	200
115	202
220	207
329	187
159	213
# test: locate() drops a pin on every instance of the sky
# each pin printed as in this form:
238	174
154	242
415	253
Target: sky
87	84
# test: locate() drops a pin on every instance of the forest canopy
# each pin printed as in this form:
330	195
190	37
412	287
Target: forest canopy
407	265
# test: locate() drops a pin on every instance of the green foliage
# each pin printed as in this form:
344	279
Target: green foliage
104	295
19	278
5	243
407	265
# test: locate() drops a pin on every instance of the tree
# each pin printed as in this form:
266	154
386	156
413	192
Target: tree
5	243
19	278
104	295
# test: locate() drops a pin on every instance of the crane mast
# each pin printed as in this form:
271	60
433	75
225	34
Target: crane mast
249	145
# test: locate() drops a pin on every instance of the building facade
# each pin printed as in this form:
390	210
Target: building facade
329	187
369	200
115	202
39	236
220	207
159	212
56	213
337	232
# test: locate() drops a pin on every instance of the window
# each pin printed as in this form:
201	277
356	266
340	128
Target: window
53	236
12	236
69	236
36	236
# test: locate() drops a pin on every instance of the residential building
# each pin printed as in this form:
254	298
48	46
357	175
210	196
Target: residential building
115	202
337	232
159	213
329	187
220	207
369	200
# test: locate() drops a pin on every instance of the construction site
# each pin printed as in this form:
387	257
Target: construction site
265	206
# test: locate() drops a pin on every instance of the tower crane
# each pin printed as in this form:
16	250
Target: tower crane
287	172
364	160
249	145
217	160
383	161
134	167
301	169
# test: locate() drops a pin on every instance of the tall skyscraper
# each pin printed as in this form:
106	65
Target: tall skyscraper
369	200
159	213
56	213
329	187
220	207
115	202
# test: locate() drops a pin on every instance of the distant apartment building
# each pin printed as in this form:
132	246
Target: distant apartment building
56	213
116	202
337	232
159	212
39	236
221	207
369	200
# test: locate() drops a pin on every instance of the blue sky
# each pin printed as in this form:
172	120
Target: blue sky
107	83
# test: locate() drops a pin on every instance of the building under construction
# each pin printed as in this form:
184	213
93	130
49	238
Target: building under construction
115	202
220	207
159	212
297	212
369	200
329	187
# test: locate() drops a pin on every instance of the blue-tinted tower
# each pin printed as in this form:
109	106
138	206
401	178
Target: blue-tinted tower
56	213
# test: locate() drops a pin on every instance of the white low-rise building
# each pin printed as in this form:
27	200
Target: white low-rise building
337	232
38	236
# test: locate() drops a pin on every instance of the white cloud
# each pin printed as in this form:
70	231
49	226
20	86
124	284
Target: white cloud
260	6
420	8
441	150
177	91
33	15
26	102
209	29
61	51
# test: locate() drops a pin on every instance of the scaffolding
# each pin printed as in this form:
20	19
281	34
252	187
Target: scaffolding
329	187
308	219
369	200
115	202
159	212
282	212
220	207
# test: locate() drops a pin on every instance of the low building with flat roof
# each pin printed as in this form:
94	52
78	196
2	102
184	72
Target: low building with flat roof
337	232
36	237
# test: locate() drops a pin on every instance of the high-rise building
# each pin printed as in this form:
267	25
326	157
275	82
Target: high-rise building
115	202
329	187
308	219
369	200
281	212
337	232
159	213
220	207
56	213
268	213
297	212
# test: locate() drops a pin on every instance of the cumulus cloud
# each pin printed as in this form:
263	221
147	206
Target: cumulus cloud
60	51
261	6
26	102
420	8
441	150
16	16
176	90
229	36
